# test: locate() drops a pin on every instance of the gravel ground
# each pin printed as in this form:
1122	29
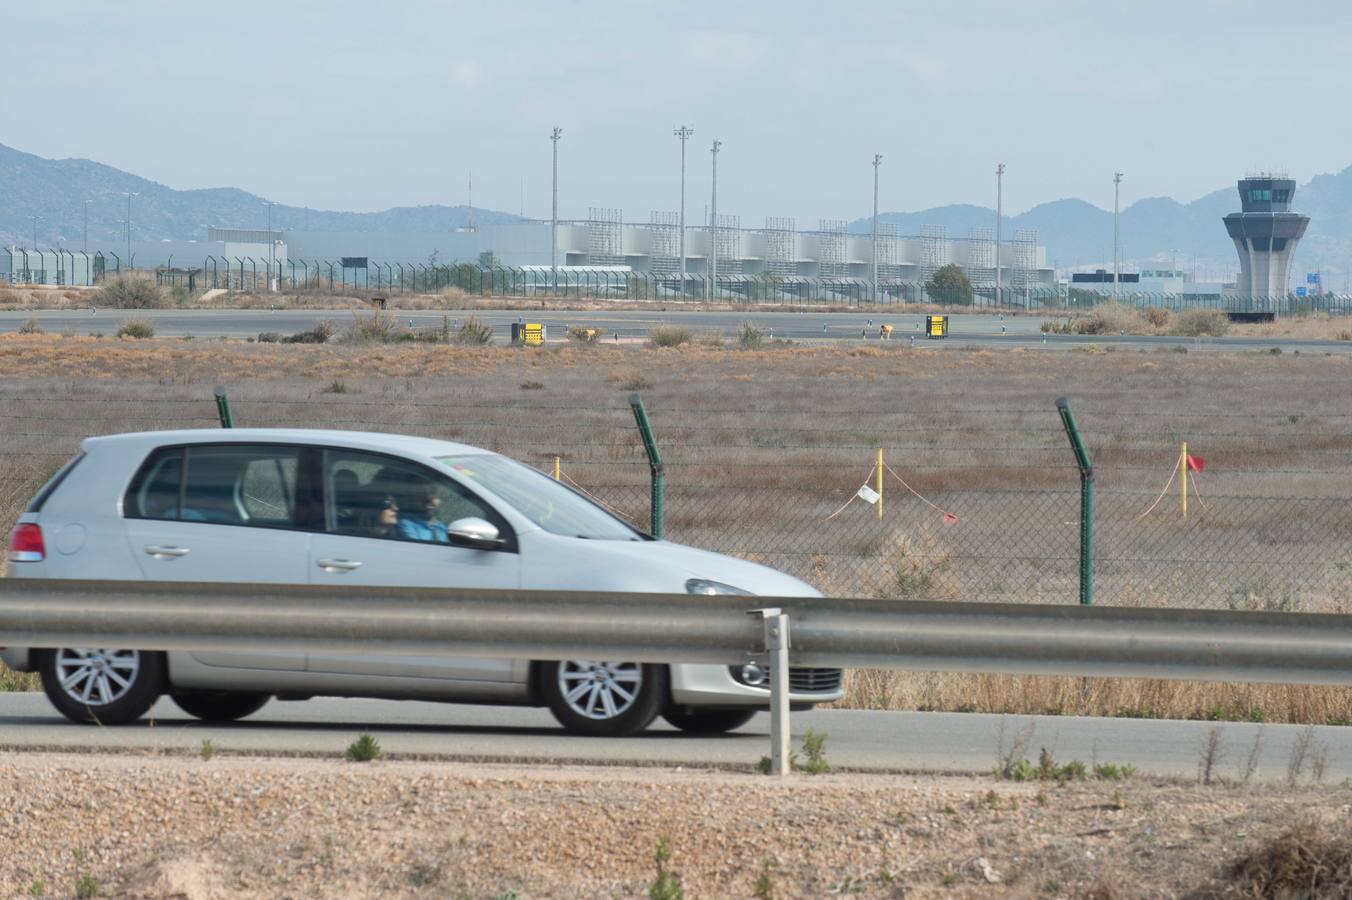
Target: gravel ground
236	827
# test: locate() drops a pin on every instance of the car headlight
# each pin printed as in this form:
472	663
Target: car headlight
705	586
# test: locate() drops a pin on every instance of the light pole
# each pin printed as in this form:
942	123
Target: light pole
877	161
554	220
35	219
713	226
999	214
1117	183
271	245
85	246
129	195
684	133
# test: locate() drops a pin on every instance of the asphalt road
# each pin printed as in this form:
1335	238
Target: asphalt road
857	740
965	331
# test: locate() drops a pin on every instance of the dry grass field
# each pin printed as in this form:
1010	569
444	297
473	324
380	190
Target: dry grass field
763	446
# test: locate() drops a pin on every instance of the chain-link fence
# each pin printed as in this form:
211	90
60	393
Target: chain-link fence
981	504
602	283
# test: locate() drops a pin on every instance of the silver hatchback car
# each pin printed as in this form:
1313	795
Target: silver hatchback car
338	507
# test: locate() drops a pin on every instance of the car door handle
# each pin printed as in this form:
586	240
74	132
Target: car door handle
166	552
339	565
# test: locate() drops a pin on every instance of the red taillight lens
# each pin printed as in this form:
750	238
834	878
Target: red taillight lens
25	543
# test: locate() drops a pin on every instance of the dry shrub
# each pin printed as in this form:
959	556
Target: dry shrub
475	332
18	681
583	335
629	379
670	336
1306	860
1200	323
1157	317
1110	318
322	331
135	328
30	326
10	297
913	567
377	327
128	291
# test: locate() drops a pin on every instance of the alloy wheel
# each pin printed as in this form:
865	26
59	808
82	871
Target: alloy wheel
97	677
600	690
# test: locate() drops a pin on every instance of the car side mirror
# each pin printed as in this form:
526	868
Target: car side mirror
474	532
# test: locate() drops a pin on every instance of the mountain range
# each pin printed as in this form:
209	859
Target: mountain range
55	190
1076	234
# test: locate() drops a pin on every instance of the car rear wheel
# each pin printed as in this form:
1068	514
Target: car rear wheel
101	685
708	721
220	706
604	699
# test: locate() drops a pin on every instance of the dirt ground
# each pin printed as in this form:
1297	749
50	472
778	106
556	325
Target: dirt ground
236	827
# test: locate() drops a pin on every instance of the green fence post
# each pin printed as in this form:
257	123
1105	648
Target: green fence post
1086	502
223	408
654	463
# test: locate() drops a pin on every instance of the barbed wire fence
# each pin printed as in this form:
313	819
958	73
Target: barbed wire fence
984	507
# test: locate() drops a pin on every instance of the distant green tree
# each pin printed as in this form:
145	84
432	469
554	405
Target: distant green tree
950	286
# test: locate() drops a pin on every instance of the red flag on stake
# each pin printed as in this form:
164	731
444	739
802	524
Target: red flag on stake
1195	463
950	519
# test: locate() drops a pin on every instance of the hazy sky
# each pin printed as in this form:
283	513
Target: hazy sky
362	106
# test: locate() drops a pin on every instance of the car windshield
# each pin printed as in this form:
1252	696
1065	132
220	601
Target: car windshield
541	499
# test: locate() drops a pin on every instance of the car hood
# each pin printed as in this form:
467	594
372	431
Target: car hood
650	567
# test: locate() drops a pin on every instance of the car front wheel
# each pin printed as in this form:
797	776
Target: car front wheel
604	699
99	685
708	721
220	706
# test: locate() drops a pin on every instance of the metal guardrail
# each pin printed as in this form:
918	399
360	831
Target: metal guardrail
1215	645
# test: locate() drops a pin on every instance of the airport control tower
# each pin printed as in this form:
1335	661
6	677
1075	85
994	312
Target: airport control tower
1265	234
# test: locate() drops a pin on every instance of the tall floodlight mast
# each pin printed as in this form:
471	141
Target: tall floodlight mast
713	226
683	132
554	219
129	195
1117	252
999	214
877	161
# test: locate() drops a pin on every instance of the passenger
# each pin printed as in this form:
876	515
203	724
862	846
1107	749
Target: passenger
417	516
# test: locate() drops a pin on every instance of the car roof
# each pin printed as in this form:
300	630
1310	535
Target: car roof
358	440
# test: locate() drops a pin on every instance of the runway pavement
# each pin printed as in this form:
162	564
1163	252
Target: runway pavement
965	330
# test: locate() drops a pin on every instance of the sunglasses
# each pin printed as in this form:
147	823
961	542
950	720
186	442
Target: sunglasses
389	503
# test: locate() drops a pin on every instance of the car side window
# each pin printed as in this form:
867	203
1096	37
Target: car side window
370	495
250	485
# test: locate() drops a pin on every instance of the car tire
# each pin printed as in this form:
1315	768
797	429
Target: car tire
99	685
604	699
708	721
219	706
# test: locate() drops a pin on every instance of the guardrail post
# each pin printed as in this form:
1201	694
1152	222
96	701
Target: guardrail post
223	408
777	646
654	464
1086	502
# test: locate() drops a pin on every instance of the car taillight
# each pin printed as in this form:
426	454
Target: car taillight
25	543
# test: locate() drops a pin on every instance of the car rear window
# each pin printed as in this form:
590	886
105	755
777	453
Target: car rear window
253	485
35	505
